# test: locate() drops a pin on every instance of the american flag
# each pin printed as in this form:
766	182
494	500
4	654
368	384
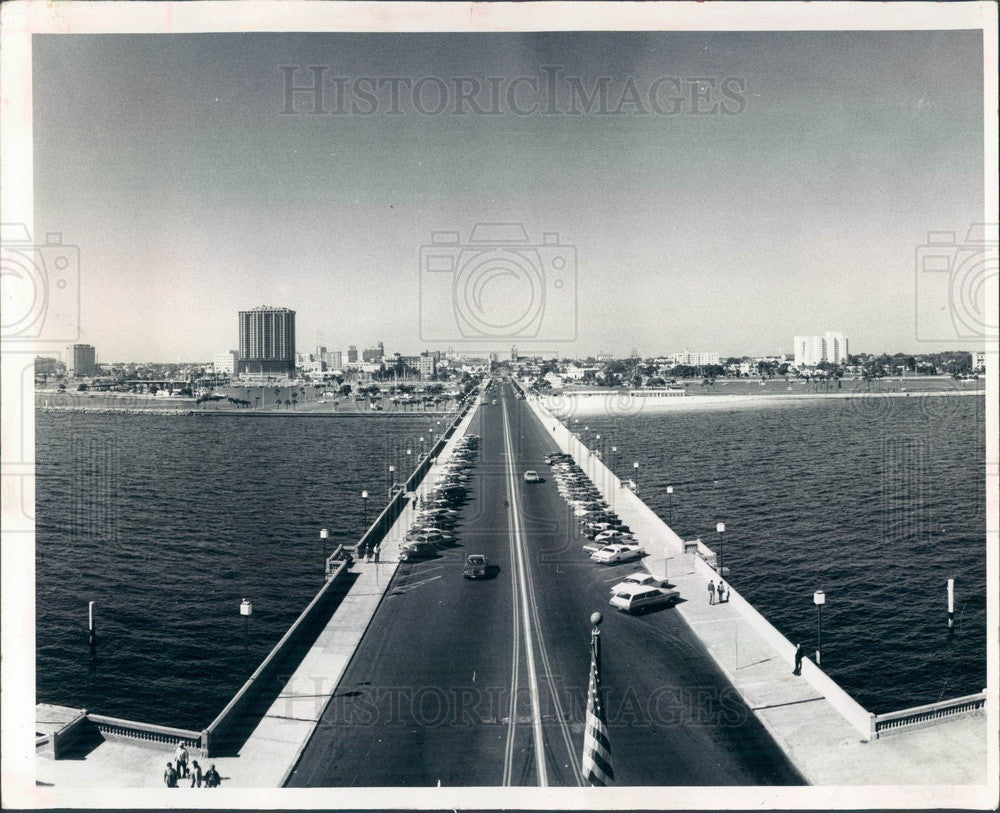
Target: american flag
597	768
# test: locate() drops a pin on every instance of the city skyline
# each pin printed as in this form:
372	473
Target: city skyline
805	196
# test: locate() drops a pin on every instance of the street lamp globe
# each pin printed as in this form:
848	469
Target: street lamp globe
720	527
819	598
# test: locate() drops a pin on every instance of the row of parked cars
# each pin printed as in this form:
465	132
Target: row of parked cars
433	526
608	539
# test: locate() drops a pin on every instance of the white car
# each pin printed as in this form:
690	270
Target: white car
531	476
610	536
638	580
610	554
637	598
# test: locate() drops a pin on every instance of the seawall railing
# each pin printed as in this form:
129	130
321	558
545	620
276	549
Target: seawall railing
883	724
158	736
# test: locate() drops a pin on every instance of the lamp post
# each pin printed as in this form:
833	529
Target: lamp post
720	529
324	534
670	506
421	447
614	451
364	508
635	469
392	480
819	599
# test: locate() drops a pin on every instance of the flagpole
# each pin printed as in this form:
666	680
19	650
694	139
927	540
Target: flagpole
596	766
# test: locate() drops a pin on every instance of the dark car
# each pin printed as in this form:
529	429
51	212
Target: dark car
416	550
475	566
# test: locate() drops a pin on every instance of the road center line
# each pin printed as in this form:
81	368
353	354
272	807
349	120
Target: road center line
518	538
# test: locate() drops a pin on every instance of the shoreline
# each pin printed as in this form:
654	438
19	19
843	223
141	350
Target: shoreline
614	403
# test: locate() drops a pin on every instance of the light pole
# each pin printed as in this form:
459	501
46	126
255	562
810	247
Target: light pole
614	450
670	506
720	529
392	480
324	534
819	599
246	610
421	447
364	508
635	469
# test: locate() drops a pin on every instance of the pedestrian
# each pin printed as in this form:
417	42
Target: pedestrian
378	550
195	774
368	553
722	591
799	653
170	776
181	758
212	778
711	592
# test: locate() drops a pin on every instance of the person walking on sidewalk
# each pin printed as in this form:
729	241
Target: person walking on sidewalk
181	758
170	776
195	774
722	592
711	592
378	551
799	653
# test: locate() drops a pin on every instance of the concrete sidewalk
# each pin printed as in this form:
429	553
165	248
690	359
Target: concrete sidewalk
816	736
272	749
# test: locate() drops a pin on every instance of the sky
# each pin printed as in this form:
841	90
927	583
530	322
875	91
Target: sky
797	204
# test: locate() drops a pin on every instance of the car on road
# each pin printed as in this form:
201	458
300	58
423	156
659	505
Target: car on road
411	551
494	402
610	554
637	598
638	580
475	566
531	476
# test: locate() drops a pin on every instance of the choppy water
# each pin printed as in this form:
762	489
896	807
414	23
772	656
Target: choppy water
167	522
876	501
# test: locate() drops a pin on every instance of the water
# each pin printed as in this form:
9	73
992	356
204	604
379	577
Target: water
877	502
167	522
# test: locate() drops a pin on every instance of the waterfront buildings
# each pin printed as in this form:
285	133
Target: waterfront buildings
690	359
84	360
812	350
267	341
226	362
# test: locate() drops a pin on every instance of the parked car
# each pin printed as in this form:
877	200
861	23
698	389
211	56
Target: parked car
608	537
638	580
531	476
475	566
637	598
410	551
610	554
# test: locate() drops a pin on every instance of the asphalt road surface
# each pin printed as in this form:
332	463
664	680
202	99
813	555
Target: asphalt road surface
483	683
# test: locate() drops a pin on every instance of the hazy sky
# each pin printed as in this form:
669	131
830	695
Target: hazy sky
167	159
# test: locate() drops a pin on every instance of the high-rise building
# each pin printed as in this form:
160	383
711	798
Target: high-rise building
352	355
427	365
374	354
835	350
84	359
267	341
226	363
812	350
336	360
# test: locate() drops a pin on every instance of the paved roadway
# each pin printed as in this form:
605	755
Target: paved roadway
428	696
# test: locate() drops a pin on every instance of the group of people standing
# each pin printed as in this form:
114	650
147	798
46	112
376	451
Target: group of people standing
179	769
718	594
373	552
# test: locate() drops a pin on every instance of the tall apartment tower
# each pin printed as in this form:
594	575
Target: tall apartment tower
84	359
836	347
267	341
